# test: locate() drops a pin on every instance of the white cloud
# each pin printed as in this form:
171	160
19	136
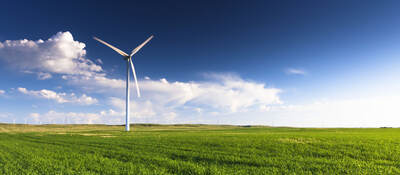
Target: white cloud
220	92
295	71
221	95
34	117
163	101
58	54
43	76
59	97
139	109
84	99
99	61
2	92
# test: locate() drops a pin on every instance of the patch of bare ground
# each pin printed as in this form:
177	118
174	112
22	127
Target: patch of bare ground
108	136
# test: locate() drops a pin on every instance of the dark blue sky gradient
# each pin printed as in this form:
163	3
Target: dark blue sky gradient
341	44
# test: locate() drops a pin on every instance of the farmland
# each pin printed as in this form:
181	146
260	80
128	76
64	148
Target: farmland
197	149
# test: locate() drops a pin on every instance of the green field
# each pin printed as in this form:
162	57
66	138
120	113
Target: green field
196	149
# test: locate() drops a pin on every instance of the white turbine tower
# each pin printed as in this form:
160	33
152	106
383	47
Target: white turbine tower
129	63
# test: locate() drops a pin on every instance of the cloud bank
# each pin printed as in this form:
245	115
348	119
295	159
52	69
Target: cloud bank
162	100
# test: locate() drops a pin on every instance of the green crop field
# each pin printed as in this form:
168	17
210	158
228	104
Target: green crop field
196	149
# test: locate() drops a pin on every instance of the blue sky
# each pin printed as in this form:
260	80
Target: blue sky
310	63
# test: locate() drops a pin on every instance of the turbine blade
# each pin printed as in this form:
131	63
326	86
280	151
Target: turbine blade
112	47
134	75
140	46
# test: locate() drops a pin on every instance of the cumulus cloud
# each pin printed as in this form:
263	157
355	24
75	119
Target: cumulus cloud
59	97
2	92
171	102
295	71
221	93
44	76
59	54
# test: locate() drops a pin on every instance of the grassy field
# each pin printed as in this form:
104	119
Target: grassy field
196	149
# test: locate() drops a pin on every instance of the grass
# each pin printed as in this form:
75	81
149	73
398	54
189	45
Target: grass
196	149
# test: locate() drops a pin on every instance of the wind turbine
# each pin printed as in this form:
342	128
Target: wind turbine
129	63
